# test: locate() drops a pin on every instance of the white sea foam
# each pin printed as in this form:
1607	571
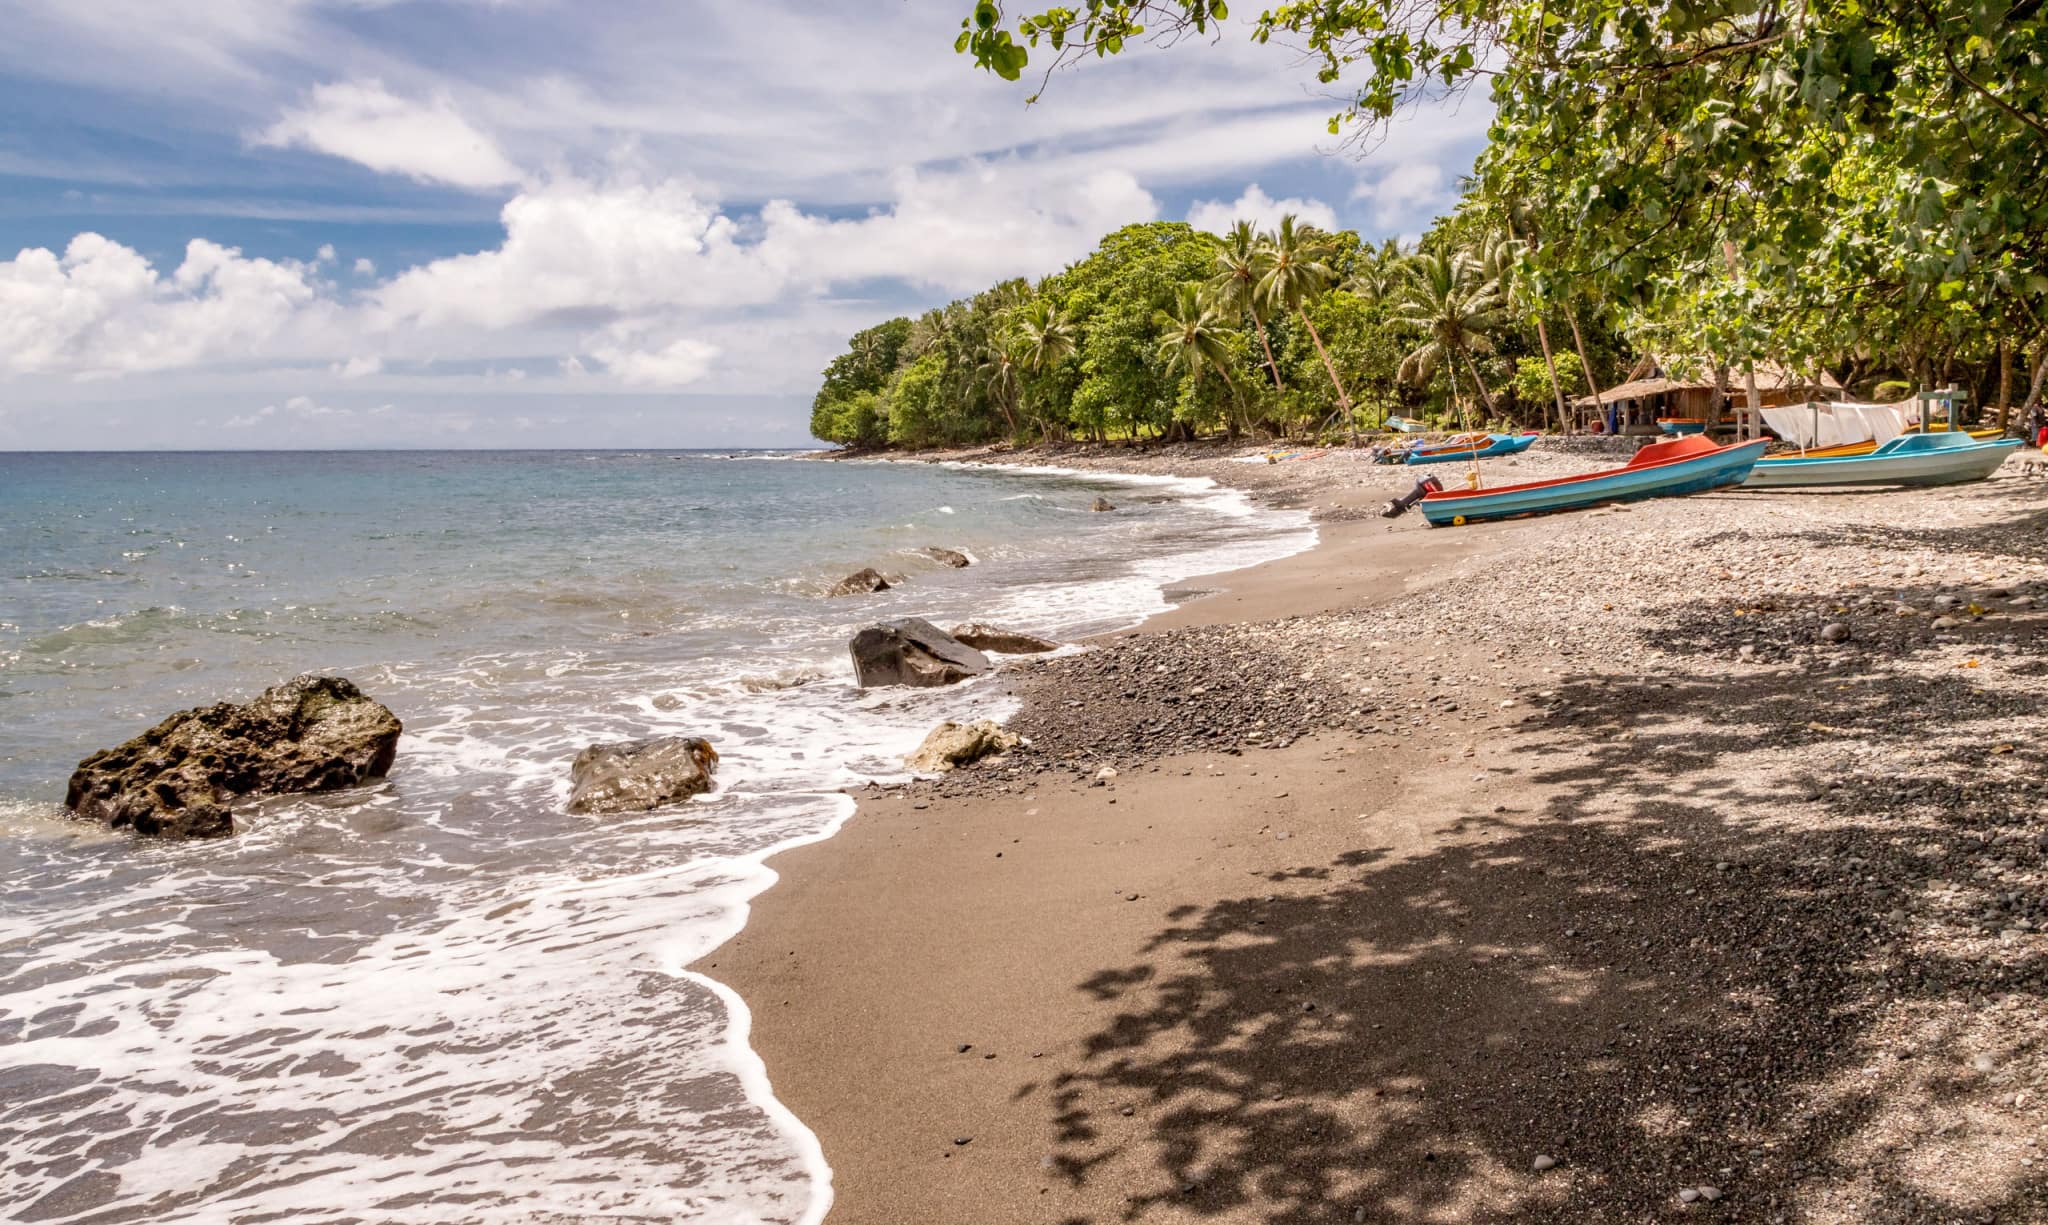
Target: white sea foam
436	1037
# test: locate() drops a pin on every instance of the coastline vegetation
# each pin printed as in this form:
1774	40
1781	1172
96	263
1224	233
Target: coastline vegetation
1849	187
1165	331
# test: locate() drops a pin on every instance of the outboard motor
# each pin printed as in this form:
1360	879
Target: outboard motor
1423	488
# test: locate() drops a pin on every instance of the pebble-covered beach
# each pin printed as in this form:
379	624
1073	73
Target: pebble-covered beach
1683	857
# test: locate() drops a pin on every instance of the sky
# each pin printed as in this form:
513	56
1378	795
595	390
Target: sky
547	223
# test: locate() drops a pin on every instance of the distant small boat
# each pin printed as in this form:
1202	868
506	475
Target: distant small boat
1660	470
1909	459
1484	446
1682	425
1406	425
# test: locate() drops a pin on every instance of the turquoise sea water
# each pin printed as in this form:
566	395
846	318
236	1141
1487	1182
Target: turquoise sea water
442	998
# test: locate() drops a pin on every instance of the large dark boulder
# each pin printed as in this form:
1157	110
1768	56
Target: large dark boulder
912	651
636	775
860	582
1002	641
181	778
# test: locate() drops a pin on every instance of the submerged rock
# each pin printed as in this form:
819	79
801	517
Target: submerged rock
180	778
959	744
912	651
860	582
1103	504
1002	641
948	557
637	775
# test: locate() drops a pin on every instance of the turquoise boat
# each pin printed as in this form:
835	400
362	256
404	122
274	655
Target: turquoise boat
1448	452
1692	464
1945	458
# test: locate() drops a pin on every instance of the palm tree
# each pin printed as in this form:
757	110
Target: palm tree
1378	274
1292	275
1500	262
1040	340
1197	340
1449	301
1233	286
997	374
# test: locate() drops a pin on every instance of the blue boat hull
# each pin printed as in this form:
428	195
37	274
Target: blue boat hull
1696	471
1502	444
1909	459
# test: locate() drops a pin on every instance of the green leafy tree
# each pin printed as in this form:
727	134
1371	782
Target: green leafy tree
1867	173
1195	341
1292	274
1234	283
865	368
1447	300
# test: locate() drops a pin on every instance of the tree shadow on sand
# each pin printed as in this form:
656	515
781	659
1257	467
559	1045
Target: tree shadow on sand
1667	970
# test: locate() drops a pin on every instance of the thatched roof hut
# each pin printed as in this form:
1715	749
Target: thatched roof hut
1651	392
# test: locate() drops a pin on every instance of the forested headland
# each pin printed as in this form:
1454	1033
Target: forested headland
1851	188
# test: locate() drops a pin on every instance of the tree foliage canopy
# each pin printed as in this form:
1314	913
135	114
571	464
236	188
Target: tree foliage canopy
1769	180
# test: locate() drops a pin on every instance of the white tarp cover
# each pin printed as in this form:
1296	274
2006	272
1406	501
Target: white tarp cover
1837	424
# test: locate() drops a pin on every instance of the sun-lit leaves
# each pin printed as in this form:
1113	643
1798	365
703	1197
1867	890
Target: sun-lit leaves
1871	166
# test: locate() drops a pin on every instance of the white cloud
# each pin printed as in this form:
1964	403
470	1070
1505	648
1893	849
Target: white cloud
1261	210
574	246
366	267
305	409
1405	191
638	361
301	408
366	123
260	415
101	309
358	367
326	253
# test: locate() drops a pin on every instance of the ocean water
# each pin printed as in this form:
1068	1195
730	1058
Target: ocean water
441	998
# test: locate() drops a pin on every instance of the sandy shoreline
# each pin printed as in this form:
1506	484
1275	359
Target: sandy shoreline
1431	854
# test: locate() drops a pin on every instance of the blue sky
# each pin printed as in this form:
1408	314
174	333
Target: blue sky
274	223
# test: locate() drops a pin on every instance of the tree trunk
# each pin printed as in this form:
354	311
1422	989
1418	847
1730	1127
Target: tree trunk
1267	345
1343	399
1457	400
1485	394
2004	383
1720	397
1753	418
1244	412
1579	342
1556	388
2040	375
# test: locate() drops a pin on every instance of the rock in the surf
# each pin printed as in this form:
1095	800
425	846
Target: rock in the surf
1103	504
1002	641
959	744
638	775
948	557
860	582
181	778
912	651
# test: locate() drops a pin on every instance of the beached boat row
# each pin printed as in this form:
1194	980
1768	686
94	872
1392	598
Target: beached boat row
1692	463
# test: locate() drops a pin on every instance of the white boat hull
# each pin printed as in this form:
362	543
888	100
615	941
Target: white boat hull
1920	468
